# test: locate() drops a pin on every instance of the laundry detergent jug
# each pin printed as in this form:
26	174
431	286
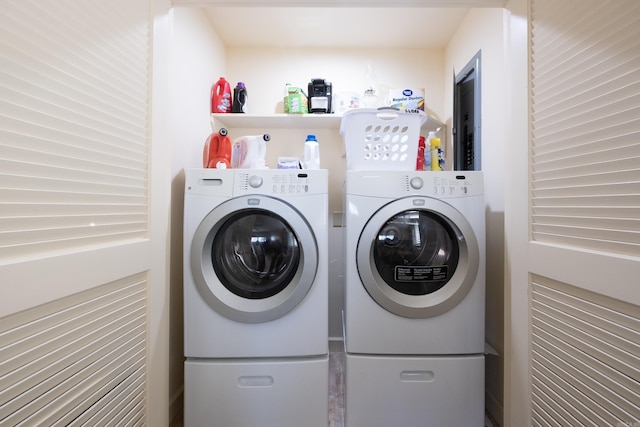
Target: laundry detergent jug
239	98
249	152
217	150
221	96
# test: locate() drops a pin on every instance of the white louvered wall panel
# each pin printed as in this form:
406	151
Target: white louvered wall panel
77	361
585	357
585	199
586	124
74	132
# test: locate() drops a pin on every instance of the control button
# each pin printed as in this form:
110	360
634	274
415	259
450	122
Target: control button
442	190
435	189
255	181
416	183
464	190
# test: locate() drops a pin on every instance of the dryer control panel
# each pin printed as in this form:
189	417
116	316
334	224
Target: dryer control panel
459	185
449	184
393	184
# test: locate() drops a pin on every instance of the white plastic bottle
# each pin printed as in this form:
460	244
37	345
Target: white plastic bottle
427	151
311	153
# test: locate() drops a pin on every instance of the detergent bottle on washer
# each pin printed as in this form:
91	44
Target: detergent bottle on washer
249	152
217	150
311	153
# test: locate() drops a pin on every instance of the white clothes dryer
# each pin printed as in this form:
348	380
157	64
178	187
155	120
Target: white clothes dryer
255	296
414	298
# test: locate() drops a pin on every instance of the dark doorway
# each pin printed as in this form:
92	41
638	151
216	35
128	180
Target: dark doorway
466	117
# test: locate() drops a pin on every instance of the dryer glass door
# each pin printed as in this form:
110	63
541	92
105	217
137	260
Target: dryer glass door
416	252
256	254
417	257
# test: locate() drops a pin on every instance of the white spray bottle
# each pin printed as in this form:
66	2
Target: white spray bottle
427	151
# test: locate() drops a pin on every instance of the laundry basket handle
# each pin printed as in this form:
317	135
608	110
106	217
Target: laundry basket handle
387	113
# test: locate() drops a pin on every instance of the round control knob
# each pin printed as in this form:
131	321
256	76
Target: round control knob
416	183
255	181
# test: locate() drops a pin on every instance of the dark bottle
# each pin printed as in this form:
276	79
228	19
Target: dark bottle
239	104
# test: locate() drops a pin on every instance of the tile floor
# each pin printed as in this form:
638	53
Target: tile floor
336	388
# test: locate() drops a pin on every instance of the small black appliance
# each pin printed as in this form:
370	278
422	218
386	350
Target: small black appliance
320	96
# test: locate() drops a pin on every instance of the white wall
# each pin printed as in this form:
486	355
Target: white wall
198	60
484	29
265	71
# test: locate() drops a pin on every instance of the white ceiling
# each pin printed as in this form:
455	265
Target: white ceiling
344	3
367	27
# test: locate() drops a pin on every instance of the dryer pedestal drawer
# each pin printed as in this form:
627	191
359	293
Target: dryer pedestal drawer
407	391
286	392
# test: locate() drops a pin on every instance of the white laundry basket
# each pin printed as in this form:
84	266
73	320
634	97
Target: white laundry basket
381	139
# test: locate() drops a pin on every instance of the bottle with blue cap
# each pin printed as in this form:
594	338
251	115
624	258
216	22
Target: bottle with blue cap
311	153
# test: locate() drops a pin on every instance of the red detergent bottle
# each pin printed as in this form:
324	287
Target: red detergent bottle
217	150
221	96
420	158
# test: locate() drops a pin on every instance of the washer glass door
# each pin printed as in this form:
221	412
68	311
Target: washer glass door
255	254
417	257
254	258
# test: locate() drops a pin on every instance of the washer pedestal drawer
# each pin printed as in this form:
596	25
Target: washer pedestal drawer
287	392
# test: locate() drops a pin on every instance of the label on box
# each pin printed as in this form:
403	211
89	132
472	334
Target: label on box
407	99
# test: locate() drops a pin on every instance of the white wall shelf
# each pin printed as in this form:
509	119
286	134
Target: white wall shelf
291	121
280	121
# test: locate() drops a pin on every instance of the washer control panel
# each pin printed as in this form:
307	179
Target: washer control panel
416	182
237	182
279	182
290	183
255	181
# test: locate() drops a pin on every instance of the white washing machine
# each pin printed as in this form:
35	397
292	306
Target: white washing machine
414	298
256	297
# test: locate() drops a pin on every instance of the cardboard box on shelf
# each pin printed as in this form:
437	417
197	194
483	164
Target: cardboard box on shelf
408	99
